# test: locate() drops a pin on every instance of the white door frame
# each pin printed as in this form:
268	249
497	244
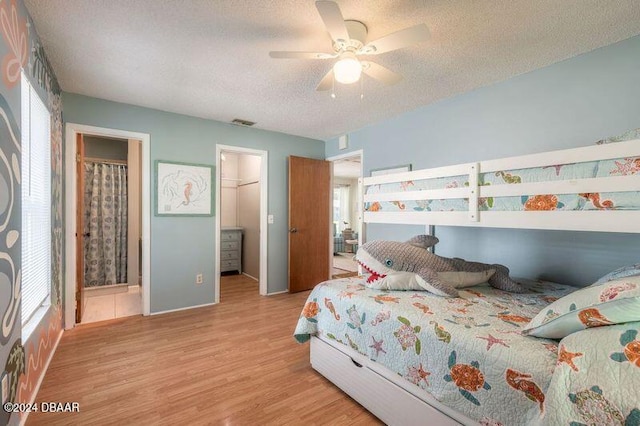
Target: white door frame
361	229
71	130
264	181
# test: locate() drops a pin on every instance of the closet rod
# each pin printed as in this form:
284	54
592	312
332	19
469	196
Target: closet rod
104	161
249	183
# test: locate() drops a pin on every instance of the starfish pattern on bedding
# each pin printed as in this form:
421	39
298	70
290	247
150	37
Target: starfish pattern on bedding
493	341
567	357
418	374
630	166
377	346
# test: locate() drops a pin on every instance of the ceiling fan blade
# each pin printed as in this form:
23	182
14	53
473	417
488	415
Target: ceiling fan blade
301	55
397	40
333	20
381	73
326	83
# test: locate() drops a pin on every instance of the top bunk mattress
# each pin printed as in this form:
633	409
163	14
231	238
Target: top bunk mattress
467	352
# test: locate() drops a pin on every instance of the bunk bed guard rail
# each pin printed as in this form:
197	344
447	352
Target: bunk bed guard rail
605	220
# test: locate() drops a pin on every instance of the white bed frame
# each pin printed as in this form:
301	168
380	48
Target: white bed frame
384	393
579	220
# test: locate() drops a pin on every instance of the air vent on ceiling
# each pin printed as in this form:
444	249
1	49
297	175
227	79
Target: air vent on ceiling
241	122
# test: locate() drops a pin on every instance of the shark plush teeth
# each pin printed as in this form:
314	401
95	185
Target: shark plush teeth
373	275
382	258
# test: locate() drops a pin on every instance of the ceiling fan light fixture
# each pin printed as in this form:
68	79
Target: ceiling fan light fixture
348	69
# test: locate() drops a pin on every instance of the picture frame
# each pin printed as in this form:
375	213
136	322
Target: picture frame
391	170
183	189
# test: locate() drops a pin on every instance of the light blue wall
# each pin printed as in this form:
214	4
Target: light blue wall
182	247
569	104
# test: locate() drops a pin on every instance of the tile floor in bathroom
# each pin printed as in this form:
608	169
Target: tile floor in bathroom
106	304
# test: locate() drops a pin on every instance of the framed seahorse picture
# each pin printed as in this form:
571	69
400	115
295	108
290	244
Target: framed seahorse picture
183	189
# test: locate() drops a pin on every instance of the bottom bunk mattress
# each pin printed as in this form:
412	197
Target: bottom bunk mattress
466	352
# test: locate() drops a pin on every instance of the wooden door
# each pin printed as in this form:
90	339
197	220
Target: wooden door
309	222
79	227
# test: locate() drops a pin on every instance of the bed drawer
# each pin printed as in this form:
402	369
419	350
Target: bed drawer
387	401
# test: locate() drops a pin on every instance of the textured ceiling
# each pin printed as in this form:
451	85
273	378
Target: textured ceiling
210	58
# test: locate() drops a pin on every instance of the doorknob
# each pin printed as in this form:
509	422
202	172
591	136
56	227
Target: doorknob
293	230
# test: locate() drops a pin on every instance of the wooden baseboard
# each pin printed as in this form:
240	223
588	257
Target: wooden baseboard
250	276
182	309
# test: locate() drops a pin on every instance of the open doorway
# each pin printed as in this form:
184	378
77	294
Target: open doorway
241	219
109	207
346	213
107	224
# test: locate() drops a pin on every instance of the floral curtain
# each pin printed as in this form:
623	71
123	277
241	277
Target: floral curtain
105	224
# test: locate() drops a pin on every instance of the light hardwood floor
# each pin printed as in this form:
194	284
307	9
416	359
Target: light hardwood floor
235	363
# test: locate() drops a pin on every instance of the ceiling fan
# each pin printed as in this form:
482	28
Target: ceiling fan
349	43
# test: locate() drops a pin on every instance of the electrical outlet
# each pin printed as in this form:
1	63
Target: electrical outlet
5	387
199	279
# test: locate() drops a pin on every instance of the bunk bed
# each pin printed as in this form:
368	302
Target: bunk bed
489	356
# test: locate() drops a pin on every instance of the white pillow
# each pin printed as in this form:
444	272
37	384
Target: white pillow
411	281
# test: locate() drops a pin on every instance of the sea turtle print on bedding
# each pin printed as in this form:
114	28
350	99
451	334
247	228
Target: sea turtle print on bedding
490	373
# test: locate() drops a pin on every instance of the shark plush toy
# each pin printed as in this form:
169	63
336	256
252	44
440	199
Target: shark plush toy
381	258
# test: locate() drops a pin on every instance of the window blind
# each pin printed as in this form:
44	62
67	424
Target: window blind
36	202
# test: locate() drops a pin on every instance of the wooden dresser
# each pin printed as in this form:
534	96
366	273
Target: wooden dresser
231	249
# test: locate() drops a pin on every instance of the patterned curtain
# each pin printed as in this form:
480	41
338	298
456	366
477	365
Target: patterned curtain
105	224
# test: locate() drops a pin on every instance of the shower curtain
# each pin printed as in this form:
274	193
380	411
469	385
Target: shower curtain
105	224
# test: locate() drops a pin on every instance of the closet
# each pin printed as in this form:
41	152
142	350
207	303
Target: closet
240	213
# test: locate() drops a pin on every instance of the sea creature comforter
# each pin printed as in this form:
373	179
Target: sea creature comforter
469	354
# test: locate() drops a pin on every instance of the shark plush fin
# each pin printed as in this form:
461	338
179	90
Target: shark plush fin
429	280
423	241
500	279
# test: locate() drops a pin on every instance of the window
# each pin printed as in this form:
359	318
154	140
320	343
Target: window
36	206
341	213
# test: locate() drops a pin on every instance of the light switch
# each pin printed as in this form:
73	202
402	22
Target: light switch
270	219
